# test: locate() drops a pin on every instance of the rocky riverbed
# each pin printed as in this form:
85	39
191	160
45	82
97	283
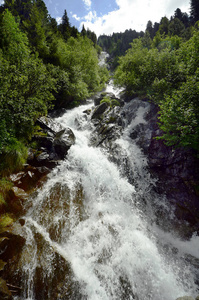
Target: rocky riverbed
175	171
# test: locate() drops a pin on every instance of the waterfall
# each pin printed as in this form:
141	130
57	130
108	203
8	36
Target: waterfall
91	231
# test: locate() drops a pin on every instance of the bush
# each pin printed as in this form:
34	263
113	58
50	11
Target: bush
110	102
13	157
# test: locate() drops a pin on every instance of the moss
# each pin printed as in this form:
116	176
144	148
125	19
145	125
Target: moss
39	131
6	220
2	200
5	187
110	102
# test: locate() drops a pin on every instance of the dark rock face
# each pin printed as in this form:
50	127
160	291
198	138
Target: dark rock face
12	240
5	293
99	110
53	146
176	169
108	126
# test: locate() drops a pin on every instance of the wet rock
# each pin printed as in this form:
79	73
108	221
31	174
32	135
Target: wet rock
57	113
49	125
2	264
185	298
99	110
15	200
5	293
54	146
28	179
107	128
64	139
175	168
44	141
101	96
11	242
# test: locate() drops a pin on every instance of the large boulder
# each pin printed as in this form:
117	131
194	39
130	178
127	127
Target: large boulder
63	140
53	143
99	110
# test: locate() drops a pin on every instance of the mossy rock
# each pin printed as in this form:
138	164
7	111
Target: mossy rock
5	294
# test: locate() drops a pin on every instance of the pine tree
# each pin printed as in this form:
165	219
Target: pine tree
194	10
65	26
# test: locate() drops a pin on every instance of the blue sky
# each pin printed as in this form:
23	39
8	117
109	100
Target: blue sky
108	16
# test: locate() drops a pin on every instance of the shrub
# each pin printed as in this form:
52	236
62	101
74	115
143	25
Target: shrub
13	157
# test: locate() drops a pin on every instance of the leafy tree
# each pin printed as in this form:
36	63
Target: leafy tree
25	83
168	74
179	115
13	42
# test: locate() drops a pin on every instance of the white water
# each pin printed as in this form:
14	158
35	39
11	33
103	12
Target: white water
90	217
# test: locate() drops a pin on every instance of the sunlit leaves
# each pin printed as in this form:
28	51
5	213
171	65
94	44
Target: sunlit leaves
168	74
13	42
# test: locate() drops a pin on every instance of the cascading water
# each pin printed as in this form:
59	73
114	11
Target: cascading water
91	233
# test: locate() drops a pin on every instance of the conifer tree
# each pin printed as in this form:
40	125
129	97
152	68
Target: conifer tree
65	26
194	10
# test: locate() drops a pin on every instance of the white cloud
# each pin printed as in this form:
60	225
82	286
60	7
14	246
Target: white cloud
1	2
59	20
91	16
88	3
133	14
76	17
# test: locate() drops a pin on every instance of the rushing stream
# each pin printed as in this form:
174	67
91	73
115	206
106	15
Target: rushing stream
91	232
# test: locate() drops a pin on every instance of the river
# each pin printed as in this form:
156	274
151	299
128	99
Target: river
91	232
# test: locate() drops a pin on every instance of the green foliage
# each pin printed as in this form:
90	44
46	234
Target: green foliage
5	186
110	102
40	62
25	95
195	10
36	27
79	60
179	114
117	44
6	220
13	157
13	42
168	74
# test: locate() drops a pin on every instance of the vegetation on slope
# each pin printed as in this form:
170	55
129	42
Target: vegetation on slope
166	70
42	65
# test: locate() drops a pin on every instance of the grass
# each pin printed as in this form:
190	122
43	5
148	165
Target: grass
13	157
